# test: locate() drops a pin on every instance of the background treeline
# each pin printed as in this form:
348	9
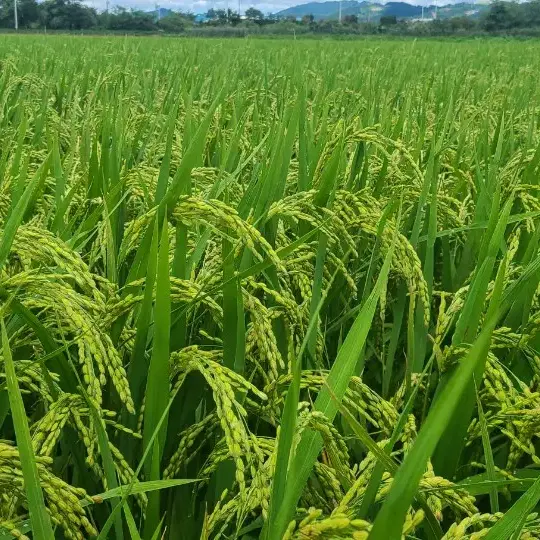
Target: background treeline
71	15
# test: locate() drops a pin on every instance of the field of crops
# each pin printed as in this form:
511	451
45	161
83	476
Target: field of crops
269	289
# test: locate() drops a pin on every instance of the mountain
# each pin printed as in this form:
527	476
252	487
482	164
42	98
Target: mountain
366	11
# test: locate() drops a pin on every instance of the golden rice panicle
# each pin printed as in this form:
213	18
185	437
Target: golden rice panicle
13	529
217	214
48	429
35	245
315	525
192	439
230	412
479	522
63	501
261	343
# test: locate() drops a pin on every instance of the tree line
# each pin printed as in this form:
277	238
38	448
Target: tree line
72	15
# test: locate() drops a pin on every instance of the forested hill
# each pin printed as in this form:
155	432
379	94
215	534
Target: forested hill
372	10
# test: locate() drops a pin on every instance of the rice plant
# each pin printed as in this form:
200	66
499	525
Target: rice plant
269	289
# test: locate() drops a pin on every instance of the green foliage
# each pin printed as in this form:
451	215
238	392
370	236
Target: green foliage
254	14
133	20
388	20
276	289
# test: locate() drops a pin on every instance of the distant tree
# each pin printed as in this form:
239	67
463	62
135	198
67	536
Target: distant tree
131	20
388	20
67	15
221	16
500	16
254	14
350	19
27	13
326	26
233	17
531	12
308	19
458	24
173	23
216	16
80	16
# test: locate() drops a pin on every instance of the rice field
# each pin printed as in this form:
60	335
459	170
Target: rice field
269	289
